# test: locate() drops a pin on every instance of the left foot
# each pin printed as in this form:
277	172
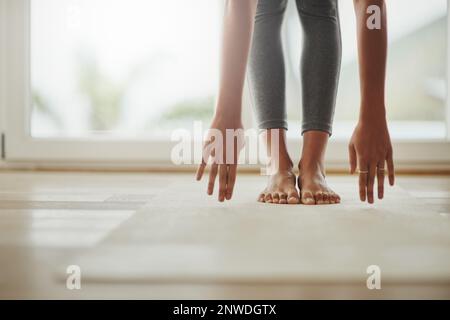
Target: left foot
311	181
313	185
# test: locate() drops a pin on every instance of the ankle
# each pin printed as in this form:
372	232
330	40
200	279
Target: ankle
314	148
276	147
311	165
282	163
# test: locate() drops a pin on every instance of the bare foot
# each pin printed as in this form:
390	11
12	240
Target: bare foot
280	189
313	186
311	182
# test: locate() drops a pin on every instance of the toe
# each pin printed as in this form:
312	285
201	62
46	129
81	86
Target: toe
293	198
319	197
283	198
307	198
261	197
326	198
268	198
336	198
332	198
275	197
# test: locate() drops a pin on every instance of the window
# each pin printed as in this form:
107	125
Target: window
107	81
416	77
122	68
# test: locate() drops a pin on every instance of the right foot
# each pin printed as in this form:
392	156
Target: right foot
280	189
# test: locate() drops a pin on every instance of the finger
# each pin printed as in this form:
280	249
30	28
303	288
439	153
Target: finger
235	151
371	181
380	179
352	157
212	178
391	170
231	180
209	154
363	176
205	157
200	171
206	152
222	181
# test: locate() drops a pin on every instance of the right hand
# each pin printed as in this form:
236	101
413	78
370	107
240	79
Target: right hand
217	151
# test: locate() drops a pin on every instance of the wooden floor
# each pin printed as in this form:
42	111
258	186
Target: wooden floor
158	236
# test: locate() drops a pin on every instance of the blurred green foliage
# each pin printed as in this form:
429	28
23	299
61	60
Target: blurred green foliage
192	109
413	59
44	107
104	96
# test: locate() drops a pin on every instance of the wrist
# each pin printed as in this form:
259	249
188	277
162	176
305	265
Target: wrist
228	119
372	112
372	119
228	113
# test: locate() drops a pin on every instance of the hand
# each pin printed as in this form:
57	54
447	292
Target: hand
223	149
369	149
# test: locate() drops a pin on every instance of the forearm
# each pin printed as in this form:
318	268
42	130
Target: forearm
236	41
372	51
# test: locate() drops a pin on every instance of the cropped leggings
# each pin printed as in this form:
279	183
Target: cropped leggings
320	64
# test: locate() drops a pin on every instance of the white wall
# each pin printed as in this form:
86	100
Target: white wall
3	72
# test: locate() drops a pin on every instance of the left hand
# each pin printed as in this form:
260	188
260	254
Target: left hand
369	149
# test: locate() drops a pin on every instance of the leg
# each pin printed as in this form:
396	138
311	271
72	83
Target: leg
320	67
267	83
266	65
321	62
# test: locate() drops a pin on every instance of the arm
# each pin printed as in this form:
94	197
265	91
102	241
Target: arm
236	41
370	146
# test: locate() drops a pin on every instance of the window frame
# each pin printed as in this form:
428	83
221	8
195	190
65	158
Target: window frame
21	148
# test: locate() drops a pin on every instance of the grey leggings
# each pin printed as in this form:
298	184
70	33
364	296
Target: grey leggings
320	64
